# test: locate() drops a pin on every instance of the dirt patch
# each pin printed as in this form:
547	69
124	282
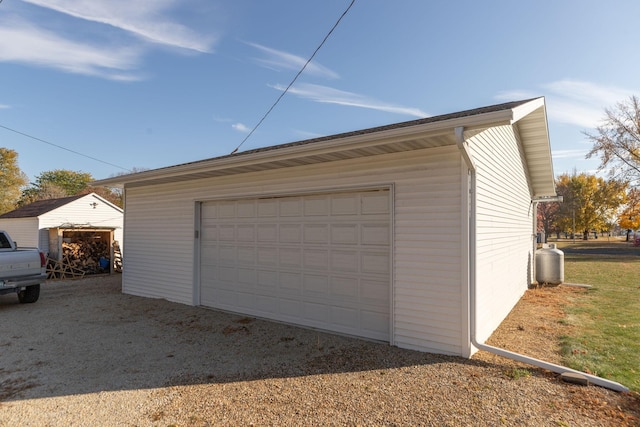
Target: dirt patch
536	322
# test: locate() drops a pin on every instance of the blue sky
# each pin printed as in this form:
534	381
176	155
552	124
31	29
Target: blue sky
147	84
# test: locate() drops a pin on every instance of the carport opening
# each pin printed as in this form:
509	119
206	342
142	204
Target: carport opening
75	253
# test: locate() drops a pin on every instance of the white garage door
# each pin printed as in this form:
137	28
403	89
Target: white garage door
320	260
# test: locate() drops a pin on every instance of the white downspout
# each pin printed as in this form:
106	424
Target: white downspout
462	146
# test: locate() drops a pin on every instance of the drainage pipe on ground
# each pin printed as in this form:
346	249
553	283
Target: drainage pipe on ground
612	385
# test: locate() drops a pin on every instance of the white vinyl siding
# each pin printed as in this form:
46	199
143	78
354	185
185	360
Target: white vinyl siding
504	226
427	281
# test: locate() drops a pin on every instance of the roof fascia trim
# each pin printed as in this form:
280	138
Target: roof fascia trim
522	111
370	139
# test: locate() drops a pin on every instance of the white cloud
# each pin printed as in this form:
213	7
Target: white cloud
23	43
515	95
144	19
279	60
306	134
241	128
569	154
328	95
4	107
220	119
574	102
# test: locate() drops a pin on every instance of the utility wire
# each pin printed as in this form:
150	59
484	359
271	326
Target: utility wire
295	78
61	147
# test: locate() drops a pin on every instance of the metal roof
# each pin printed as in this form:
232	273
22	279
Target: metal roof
529	117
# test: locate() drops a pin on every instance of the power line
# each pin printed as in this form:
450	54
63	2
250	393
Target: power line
295	78
63	148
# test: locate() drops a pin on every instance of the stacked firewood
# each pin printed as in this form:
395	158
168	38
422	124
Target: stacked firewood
86	255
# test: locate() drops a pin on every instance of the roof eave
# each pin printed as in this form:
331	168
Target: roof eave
531	121
338	144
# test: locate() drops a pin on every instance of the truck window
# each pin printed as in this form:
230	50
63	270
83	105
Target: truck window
4	242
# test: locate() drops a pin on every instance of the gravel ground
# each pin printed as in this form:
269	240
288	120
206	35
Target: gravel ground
87	355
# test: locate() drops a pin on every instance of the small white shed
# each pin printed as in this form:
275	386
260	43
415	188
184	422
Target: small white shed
420	234
45	224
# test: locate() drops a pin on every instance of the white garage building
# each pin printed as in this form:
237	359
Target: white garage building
420	234
46	223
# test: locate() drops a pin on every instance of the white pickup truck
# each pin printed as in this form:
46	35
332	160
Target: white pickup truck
21	270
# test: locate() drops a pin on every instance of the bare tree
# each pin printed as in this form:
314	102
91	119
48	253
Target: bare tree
617	140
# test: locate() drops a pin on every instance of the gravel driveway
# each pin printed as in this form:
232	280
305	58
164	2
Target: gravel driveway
87	355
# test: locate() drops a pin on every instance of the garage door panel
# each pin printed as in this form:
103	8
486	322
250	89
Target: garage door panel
209	231
290	283
290	233
267	233
345	288
225	297
290	206
267	208
316	260
268	281
375	324
316	206
268	256
315	313
209	211
373	292
375	203
374	263
246	302
266	304
247	278
227	274
227	254
344	261
209	253
227	209
246	233
289	257
291	310
345	317
246	255
316	233
227	233
344	204
316	285
344	234
246	208
376	234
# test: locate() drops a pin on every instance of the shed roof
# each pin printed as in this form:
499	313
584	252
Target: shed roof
436	131
40	207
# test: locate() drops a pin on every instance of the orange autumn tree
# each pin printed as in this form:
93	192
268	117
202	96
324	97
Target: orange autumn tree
629	218
590	203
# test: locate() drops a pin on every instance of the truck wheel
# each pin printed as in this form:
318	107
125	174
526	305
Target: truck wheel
29	295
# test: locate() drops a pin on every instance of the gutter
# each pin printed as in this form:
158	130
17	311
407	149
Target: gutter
464	151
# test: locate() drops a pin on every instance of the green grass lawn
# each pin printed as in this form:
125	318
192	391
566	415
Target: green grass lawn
606	340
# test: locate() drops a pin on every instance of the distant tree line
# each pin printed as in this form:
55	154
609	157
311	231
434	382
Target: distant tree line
590	204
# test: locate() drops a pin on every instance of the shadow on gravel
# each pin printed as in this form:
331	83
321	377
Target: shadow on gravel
87	337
